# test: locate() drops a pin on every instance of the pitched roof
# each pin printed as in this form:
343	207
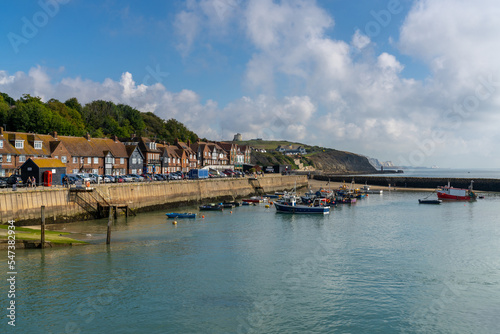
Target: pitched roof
47	162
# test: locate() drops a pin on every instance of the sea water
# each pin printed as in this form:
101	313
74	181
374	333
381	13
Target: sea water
383	265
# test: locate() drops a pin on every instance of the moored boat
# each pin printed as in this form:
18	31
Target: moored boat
211	207
181	215
253	200
429	201
292	207
458	194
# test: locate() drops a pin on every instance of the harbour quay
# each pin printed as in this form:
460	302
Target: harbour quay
66	204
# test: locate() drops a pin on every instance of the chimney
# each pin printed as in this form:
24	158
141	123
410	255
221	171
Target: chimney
198	140
167	143
188	142
176	141
132	136
114	138
1	130
54	134
87	136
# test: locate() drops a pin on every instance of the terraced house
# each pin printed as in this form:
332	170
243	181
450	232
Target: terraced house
110	156
79	154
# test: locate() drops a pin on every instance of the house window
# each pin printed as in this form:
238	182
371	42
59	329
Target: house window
89	160
178	160
95	171
2	172
122	161
96	160
75	171
19	143
1	158
1	146
22	158
134	161
75	160
168	160
139	160
134	171
37	145
9	158
109	160
64	159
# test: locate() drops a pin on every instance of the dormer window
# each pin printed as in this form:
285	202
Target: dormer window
37	145
19	143
152	146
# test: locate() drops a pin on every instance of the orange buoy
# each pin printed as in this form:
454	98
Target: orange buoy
202	216
230	211
174	222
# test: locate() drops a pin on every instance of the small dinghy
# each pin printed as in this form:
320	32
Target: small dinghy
181	215
429	201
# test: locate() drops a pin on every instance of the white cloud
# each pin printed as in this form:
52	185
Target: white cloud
360	40
307	86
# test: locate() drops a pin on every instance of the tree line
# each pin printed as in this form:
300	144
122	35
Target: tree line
99	118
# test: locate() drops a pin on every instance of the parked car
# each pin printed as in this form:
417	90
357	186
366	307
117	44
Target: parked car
15	179
137	178
73	179
127	178
119	179
3	182
108	179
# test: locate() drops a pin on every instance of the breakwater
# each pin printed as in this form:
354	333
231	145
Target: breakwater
24	205
415	182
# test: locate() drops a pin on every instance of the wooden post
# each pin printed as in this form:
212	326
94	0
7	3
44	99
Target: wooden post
126	211
110	219
42	228
115	208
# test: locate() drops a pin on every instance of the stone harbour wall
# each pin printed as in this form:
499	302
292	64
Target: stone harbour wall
24	205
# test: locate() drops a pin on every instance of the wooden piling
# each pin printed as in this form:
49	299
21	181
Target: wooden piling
110	219
42	228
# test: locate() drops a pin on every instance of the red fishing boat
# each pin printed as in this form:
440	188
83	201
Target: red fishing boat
450	193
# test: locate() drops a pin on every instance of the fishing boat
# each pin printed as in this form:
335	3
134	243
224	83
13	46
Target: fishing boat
366	189
458	194
211	207
272	196
232	203
292	207
181	215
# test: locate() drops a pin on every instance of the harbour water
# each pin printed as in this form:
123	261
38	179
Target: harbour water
383	265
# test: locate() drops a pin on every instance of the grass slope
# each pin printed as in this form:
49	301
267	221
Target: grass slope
23	233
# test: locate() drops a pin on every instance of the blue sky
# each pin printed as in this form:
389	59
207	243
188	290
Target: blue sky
387	79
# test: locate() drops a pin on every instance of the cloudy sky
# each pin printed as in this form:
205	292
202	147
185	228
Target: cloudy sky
415	82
